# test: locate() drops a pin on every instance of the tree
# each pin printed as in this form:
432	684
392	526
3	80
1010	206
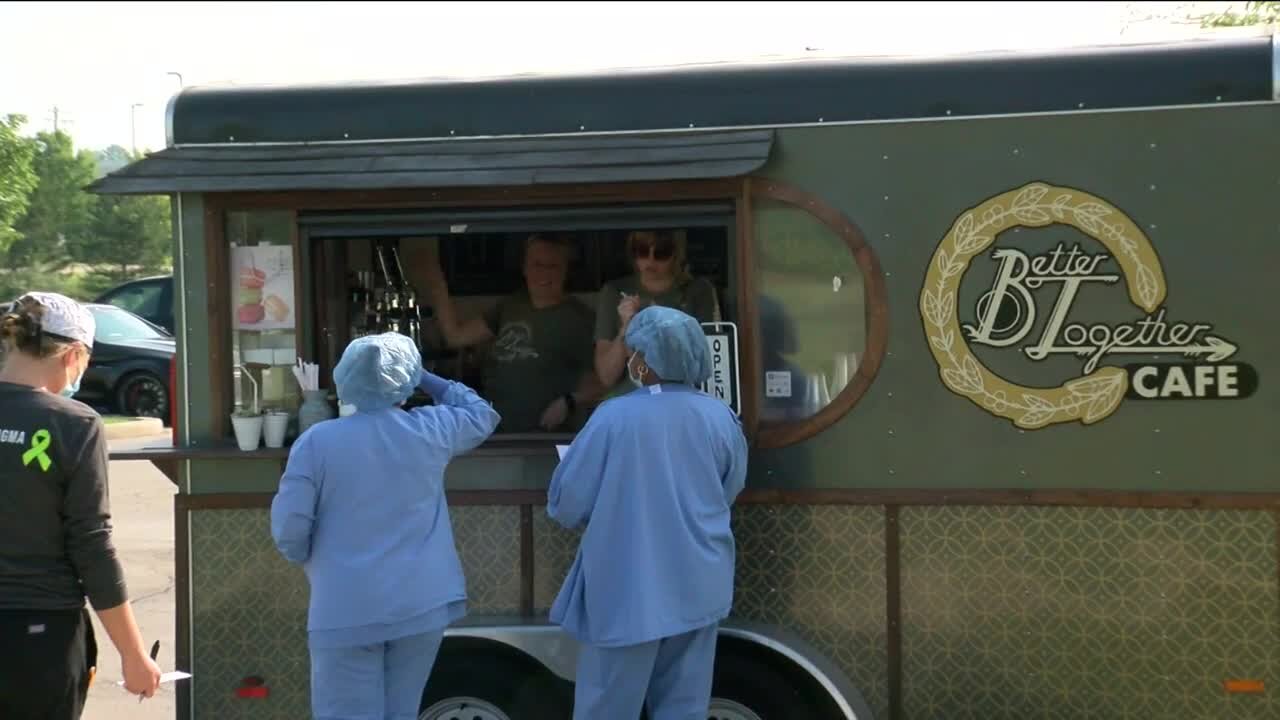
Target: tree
60	212
130	234
17	177
112	159
1255	13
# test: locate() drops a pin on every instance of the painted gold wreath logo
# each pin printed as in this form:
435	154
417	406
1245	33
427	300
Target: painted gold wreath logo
1086	399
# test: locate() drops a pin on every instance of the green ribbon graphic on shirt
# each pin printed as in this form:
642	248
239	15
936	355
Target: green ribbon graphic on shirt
39	444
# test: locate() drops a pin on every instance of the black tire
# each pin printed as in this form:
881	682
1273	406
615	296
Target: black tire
520	690
142	394
761	689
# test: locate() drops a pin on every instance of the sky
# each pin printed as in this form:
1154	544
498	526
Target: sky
95	61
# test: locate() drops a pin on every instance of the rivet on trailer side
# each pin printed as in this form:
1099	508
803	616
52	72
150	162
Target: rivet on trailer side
1002	353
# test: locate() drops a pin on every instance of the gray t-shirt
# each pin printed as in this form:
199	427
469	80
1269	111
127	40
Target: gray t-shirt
695	297
55	517
537	356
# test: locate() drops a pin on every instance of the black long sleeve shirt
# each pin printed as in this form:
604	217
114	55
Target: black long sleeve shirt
55	517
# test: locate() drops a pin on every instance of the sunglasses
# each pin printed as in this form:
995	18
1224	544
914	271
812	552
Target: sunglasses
658	251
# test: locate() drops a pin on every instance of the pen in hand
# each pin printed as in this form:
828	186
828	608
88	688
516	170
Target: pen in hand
155	650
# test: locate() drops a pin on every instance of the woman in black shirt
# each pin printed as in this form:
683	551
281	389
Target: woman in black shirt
55	523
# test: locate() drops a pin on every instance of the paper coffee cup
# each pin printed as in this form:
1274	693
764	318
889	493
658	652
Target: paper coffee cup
273	427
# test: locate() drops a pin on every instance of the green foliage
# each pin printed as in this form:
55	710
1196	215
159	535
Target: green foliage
1255	13
17	177
791	240
131	236
60	213
112	159
55	236
17	280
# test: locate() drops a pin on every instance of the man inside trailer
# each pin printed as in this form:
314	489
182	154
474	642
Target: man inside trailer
539	371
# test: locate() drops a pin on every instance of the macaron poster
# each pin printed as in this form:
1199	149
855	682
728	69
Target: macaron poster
262	287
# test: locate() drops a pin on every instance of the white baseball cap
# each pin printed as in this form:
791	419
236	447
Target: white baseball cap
64	317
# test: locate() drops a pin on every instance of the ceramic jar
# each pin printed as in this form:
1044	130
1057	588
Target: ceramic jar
315	408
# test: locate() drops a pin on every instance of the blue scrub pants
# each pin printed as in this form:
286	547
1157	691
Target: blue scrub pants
674	673
383	681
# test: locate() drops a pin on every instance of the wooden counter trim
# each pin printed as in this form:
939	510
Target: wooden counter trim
1050	498
903	498
224	501
520	195
231	452
456	498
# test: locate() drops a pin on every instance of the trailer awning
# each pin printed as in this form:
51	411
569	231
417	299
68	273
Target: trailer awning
441	163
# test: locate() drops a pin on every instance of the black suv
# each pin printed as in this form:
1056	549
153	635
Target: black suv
149	298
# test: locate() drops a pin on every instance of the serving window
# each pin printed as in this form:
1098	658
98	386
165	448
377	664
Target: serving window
521	305
797	293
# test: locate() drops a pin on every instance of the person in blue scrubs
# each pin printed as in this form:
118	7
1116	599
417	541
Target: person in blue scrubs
651	479
361	507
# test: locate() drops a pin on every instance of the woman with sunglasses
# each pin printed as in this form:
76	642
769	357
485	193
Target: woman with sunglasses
661	278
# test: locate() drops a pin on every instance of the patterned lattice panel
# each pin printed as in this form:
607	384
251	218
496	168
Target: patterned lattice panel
1019	613
250	606
553	551
820	571
250	618
488	541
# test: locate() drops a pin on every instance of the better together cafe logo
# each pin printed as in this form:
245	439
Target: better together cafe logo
1029	308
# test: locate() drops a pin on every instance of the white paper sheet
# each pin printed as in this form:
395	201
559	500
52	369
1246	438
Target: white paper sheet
168	677
561	450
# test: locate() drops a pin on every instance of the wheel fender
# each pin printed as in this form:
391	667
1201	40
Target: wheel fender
786	646
543	643
557	651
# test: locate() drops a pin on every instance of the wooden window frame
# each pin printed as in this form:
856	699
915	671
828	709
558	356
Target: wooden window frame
777	435
217	205
741	191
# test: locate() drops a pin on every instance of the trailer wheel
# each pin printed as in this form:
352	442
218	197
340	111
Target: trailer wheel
746	688
480	684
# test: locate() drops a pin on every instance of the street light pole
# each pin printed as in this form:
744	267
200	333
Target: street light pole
133	127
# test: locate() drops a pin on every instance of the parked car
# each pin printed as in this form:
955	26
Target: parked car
129	371
149	298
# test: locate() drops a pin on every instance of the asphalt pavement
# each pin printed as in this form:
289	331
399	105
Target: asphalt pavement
142	516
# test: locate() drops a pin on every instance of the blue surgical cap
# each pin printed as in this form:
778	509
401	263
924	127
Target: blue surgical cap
378	371
673	344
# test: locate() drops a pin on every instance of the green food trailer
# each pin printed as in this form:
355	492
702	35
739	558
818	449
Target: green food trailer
994	323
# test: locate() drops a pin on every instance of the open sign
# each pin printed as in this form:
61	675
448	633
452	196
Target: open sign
722	341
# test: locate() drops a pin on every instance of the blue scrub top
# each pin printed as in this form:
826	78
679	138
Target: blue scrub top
651	478
362	508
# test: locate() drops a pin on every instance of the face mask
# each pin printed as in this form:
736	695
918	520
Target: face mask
72	388
636	380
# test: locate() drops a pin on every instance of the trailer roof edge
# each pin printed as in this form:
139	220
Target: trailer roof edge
1202	72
